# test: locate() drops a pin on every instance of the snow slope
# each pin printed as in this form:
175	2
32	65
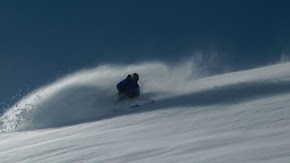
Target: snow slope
236	117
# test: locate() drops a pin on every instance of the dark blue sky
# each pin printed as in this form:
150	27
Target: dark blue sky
40	40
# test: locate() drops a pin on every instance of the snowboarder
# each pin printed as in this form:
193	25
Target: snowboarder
129	87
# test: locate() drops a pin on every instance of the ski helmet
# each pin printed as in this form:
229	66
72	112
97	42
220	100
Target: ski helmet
136	76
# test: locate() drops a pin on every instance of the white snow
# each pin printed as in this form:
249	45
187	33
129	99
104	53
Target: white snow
236	117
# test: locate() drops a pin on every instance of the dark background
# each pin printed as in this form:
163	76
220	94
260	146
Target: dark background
42	40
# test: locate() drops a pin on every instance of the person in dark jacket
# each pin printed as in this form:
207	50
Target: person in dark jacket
129	86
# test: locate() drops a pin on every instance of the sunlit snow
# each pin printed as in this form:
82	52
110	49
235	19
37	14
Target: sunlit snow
235	117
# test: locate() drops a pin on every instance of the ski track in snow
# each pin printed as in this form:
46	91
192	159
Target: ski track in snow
236	117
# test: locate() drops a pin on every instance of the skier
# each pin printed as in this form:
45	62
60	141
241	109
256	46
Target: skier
129	87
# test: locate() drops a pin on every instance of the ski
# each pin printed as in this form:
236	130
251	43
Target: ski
133	107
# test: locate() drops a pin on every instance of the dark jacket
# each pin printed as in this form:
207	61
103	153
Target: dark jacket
129	87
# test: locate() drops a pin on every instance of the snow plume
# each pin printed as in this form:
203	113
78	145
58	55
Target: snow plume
284	58
88	94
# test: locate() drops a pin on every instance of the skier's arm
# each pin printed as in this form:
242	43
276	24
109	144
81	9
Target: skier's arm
121	86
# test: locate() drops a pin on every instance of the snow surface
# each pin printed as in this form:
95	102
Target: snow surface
236	117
